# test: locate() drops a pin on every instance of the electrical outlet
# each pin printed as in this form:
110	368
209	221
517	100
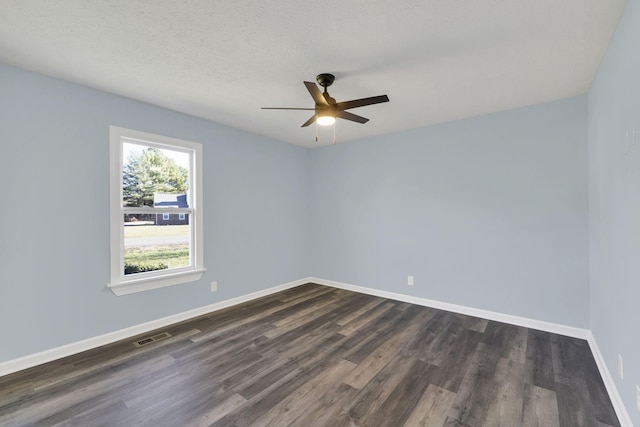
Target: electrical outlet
214	286
638	396
410	280
620	367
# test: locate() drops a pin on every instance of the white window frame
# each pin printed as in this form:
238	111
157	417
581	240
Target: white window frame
181	216
165	217
121	284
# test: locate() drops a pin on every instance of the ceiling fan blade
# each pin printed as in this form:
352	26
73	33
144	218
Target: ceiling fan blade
308	122
315	93
341	106
349	116
285	108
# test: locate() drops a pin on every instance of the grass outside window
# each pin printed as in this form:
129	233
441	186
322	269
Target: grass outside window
157	246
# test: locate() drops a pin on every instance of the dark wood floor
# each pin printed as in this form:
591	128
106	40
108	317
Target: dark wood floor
318	356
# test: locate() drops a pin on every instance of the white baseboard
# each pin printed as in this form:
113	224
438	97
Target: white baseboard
616	400
35	359
469	311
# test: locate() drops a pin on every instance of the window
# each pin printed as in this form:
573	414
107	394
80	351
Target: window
156	214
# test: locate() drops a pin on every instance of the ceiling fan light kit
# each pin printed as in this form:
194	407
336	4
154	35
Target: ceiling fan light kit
326	109
325	120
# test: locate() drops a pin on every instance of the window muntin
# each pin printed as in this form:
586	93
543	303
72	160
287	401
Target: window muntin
156	186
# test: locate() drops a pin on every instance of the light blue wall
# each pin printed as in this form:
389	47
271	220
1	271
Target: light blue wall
614	109
488	212
54	214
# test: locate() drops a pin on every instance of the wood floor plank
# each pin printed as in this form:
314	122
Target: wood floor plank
566	356
93	408
272	373
307	293
121	360
427	343
190	398
44	403
599	399
327	409
218	411
539	407
277	312
369	367
579	386
298	402
100	411
135	395
366	308
35	409
309	328
375	392
573	405
273	393
505	402
506	340
402	306
456	359
598	396
395	321
300	314
469	407
39	396
432	408
378	331
402	401
366	317
473	323
319	356
220	347
282	327
539	361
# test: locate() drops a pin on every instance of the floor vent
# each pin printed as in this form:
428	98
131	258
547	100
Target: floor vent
149	340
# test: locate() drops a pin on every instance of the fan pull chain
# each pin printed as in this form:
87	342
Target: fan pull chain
334	133
316	131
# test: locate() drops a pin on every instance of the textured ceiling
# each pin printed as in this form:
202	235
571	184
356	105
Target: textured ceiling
437	60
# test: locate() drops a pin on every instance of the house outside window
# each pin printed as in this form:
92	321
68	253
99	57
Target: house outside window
156	214
162	200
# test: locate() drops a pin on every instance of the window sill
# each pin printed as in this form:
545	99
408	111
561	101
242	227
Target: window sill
131	286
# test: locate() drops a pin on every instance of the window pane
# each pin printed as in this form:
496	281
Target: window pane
153	243
154	176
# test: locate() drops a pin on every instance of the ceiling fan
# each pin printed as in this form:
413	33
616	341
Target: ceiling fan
327	109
